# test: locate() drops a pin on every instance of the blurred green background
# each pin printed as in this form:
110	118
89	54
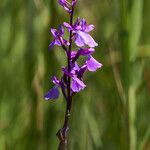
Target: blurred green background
112	113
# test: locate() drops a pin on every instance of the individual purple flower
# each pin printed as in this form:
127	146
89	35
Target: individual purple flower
53	93
58	39
76	74
81	33
77	84
92	64
67	5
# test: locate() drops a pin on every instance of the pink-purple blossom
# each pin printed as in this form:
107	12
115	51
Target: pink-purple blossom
81	33
85	44
67	5
58	37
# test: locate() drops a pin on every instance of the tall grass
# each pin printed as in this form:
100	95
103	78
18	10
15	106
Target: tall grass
132	68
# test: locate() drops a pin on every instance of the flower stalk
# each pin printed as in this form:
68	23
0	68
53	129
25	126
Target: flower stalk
72	80
62	132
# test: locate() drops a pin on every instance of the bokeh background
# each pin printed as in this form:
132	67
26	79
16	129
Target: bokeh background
112	113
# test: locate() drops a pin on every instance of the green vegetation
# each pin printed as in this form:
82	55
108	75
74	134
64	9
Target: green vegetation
113	113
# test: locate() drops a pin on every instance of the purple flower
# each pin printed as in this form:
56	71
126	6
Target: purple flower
58	40
76	74
81	37
92	64
54	92
81	33
77	85
67	5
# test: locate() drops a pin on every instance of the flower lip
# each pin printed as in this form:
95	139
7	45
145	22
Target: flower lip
77	85
52	94
92	64
84	38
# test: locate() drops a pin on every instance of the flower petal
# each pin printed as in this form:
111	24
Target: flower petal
77	23
83	24
89	28
86	51
82	71
92	64
88	40
73	54
52	44
65	5
61	30
68	26
54	32
77	85
76	67
74	2
55	80
79	41
57	42
52	94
